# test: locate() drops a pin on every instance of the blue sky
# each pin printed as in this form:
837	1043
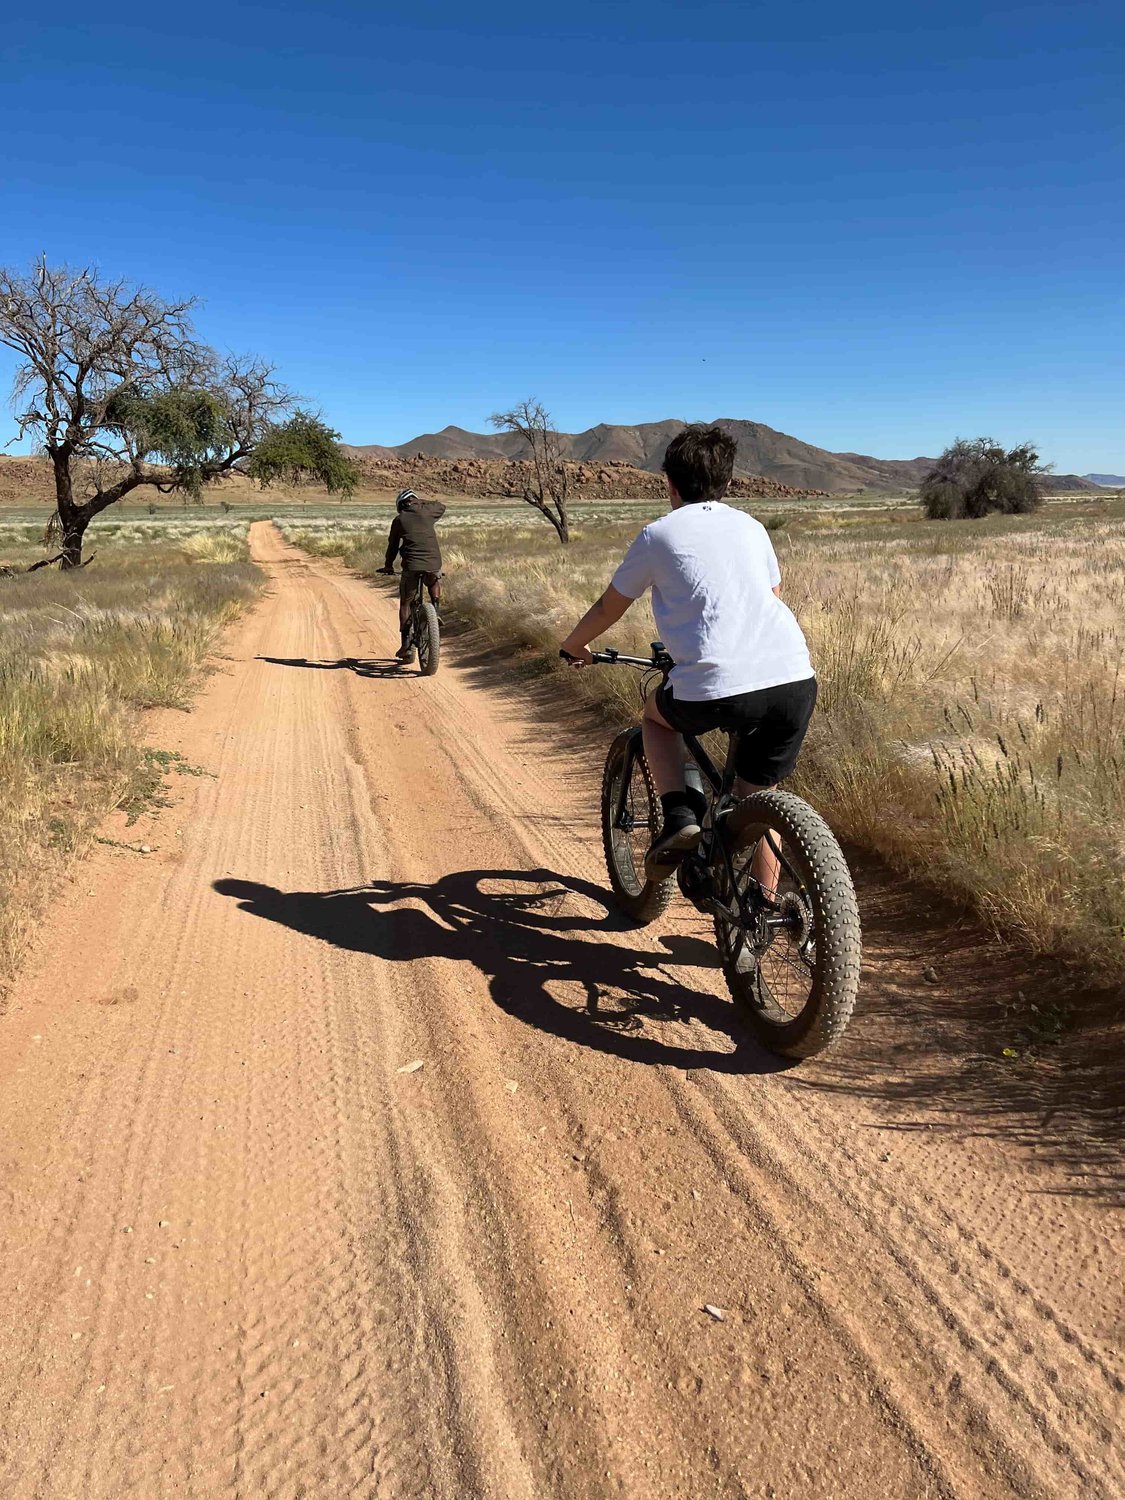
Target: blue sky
875	226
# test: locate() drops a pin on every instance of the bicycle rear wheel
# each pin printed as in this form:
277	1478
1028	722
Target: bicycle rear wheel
629	824
794	971
427	635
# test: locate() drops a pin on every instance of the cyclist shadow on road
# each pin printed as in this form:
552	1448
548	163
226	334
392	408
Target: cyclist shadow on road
361	666
555	954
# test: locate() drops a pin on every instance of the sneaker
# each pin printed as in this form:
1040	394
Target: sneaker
405	655
678	837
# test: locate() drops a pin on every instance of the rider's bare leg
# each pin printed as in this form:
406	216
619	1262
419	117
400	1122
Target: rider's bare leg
664	749
435	592
765	867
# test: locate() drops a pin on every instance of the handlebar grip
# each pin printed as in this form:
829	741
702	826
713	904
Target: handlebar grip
566	656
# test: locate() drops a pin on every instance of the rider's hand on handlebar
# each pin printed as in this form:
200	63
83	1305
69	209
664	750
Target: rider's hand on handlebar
390	572
576	656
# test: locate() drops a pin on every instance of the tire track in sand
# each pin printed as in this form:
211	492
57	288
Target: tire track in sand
344	1280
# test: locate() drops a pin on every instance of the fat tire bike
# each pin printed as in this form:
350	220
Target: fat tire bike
425	630
791	957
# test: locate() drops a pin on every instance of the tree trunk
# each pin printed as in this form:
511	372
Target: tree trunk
73	530
73	519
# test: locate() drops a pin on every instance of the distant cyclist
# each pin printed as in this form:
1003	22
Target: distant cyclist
413	533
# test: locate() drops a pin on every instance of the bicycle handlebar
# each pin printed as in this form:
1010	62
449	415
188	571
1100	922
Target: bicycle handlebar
659	661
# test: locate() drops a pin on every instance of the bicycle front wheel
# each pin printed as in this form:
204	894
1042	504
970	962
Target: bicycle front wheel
427	634
631	817
794	969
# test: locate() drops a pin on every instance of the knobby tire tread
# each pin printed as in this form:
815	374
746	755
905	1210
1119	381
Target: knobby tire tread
653	898
825	1016
429	639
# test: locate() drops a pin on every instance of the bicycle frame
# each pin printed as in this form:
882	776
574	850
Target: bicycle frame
722	801
722	784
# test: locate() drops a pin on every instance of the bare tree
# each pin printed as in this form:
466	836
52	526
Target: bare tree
548	484
120	393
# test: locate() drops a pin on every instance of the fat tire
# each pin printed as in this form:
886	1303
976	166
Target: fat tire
648	901
428	632
832	997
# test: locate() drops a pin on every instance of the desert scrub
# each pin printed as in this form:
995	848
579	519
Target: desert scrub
971	717
971	720
80	655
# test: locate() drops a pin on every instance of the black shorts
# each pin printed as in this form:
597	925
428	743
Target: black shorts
770	725
408	583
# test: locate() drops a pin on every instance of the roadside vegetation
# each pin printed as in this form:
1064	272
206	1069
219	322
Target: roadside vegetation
972	709
81	653
976	477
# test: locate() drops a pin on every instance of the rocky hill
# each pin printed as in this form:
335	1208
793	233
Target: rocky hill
761	451
1067	484
24	480
505	478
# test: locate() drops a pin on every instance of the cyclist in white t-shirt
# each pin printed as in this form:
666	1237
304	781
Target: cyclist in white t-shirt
742	663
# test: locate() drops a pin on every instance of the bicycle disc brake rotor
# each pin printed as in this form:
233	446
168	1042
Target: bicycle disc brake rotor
798	918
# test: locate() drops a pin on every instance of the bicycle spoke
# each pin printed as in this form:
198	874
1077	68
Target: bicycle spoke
772	960
632	833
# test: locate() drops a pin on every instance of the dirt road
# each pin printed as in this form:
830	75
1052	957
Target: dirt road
250	1248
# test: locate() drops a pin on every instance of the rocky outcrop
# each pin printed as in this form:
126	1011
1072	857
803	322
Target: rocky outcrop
507	478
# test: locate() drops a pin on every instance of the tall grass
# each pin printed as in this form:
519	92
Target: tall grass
971	718
80	655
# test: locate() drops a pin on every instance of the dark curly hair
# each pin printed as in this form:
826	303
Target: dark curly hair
700	462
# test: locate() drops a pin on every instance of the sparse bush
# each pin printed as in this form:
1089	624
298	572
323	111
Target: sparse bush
79	655
301	447
975	477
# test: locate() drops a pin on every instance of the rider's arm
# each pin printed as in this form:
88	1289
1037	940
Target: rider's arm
596	621
633	577
393	542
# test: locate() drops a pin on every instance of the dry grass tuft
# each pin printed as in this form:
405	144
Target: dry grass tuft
80	654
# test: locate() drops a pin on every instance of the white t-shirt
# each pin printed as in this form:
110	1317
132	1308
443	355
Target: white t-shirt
712	570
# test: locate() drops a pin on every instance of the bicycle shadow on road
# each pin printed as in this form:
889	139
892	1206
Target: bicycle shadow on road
555	954
362	667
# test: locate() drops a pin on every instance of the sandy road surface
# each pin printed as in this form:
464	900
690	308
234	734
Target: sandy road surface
245	1254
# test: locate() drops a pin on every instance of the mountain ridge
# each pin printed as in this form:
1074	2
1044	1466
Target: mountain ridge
762	450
